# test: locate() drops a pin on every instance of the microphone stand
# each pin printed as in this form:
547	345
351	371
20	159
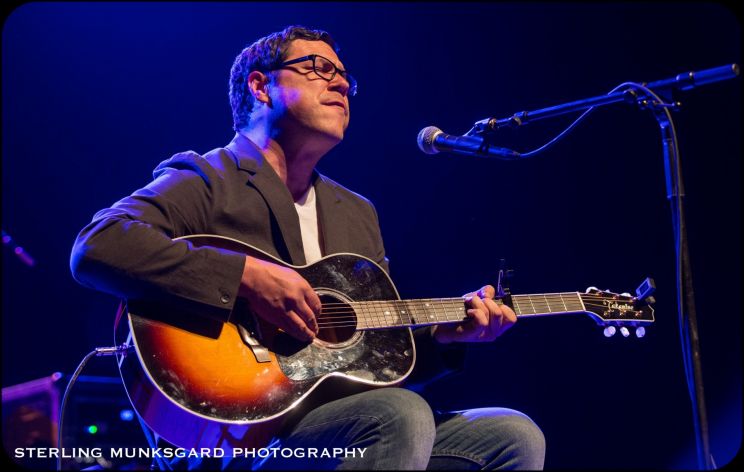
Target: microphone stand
645	97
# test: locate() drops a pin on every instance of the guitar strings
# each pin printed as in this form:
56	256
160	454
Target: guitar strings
527	299
338	314
329	308
332	310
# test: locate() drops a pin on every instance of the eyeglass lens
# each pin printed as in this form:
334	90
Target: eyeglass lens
327	69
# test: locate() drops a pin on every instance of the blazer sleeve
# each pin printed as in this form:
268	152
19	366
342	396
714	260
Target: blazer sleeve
127	250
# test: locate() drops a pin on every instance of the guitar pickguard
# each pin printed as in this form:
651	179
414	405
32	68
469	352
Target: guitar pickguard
374	357
378	356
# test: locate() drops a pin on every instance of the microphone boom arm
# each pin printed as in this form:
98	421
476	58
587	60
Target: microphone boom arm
684	81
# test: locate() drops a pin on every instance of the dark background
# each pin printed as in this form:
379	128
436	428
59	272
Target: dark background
96	95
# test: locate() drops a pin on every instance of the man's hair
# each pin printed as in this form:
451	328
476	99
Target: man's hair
264	55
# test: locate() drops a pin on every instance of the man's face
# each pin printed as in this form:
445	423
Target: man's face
306	105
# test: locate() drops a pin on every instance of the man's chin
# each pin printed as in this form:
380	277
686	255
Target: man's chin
334	137
329	136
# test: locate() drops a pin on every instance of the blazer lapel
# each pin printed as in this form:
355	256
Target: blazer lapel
327	199
275	193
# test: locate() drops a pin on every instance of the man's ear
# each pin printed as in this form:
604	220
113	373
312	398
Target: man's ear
257	83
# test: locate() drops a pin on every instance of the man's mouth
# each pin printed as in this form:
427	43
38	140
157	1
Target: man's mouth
338	104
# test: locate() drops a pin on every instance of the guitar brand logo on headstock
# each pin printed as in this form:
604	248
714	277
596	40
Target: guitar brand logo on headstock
618	306
614	306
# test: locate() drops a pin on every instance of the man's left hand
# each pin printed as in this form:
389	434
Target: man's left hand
487	319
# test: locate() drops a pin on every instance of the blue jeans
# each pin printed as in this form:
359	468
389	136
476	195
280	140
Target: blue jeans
398	431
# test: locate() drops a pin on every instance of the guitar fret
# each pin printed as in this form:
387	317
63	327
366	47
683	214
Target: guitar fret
364	314
430	312
411	308
368	315
391	315
444	303
380	308
432	307
458	309
403	313
443	308
385	313
517	308
371	314
407	311
375	314
547	303
399	312
425	316
375	310
388	314
359	312
439	312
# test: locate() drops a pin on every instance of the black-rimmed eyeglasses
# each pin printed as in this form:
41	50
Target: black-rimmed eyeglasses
325	69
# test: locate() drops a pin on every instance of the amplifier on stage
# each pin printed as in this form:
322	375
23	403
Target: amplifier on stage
98	417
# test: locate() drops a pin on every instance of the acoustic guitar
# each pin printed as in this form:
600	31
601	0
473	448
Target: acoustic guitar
203	383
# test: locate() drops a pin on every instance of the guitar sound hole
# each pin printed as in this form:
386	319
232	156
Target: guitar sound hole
337	321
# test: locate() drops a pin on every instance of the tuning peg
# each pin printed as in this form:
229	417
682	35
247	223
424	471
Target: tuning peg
624	331
625	294
640	332
592	289
610	331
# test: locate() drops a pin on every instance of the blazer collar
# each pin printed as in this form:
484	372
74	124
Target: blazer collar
247	154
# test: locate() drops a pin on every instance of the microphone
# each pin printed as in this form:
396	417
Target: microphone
432	140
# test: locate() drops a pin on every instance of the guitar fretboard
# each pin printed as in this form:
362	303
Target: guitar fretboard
422	312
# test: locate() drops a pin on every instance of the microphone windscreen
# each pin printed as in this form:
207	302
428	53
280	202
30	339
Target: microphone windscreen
426	137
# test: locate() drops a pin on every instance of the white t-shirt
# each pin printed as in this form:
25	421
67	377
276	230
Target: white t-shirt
307	211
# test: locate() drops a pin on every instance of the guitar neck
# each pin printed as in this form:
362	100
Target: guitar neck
430	311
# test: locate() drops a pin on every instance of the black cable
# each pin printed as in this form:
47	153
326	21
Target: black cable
685	294
99	351
560	135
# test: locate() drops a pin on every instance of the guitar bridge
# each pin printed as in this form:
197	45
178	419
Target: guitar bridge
259	351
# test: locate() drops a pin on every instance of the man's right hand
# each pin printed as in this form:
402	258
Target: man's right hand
280	296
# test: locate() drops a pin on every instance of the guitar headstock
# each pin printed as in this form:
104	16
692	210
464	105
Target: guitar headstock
621	311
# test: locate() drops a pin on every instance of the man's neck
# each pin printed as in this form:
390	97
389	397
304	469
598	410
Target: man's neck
293	166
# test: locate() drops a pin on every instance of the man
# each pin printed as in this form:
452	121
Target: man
290	96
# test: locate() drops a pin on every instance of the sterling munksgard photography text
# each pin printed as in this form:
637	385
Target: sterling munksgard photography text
171	452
